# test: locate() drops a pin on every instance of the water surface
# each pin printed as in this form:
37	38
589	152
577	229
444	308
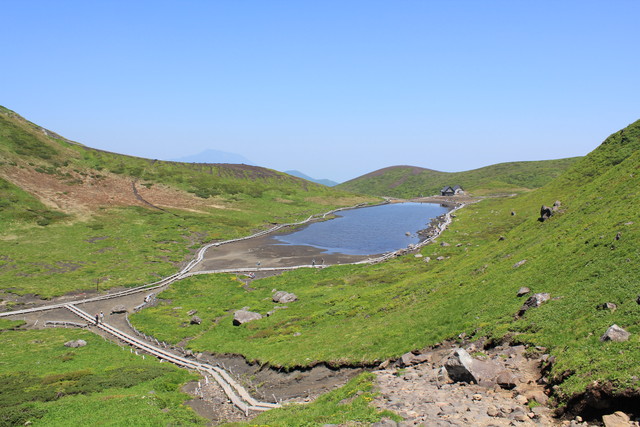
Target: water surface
368	231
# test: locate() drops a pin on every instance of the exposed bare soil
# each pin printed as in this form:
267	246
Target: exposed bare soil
84	194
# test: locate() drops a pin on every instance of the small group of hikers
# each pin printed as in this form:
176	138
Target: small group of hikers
99	318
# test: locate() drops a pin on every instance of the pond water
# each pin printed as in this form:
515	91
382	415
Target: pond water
368	231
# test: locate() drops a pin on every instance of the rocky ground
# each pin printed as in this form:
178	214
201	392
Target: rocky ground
449	386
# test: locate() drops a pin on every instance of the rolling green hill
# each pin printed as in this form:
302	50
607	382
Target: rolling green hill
75	218
585	255
410	181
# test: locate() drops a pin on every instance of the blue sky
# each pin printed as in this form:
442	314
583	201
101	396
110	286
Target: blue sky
335	89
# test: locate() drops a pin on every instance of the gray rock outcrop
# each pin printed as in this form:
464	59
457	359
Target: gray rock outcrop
607	306
118	309
520	263
523	291
244	316
545	213
615	333
459	367
75	343
283	297
195	320
533	301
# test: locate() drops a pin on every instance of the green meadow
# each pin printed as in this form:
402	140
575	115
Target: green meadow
46	383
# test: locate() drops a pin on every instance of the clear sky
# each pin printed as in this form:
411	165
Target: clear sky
334	89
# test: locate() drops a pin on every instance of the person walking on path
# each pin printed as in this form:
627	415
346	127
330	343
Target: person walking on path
97	318
101	317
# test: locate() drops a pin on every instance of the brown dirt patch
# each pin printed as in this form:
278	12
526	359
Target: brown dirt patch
83	194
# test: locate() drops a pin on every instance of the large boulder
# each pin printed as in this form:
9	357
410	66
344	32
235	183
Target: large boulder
461	367
615	333
75	344
545	213
118	309
244	316
283	297
533	301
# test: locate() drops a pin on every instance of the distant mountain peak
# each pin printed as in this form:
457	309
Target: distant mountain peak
327	182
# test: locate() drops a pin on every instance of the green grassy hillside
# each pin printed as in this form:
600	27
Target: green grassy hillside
74	218
411	181
584	256
46	383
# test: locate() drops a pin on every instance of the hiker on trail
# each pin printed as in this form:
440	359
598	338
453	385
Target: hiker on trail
97	319
101	317
313	262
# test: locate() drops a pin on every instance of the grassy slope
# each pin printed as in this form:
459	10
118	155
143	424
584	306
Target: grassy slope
46	383
408	182
49	252
364	314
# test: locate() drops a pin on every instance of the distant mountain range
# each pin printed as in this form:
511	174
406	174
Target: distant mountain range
299	174
215	156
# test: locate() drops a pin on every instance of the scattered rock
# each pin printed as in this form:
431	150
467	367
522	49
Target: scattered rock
444	244
513	213
501	238
119	309
385	422
522	400
75	343
523	291
628	223
428	259
195	320
244	316
409	359
534	301
607	306
617	419
441	258
615	333
638	299
556	205
618	236
519	263
418	256
492	411
284	297
191	312
545	213
506	380
538	396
